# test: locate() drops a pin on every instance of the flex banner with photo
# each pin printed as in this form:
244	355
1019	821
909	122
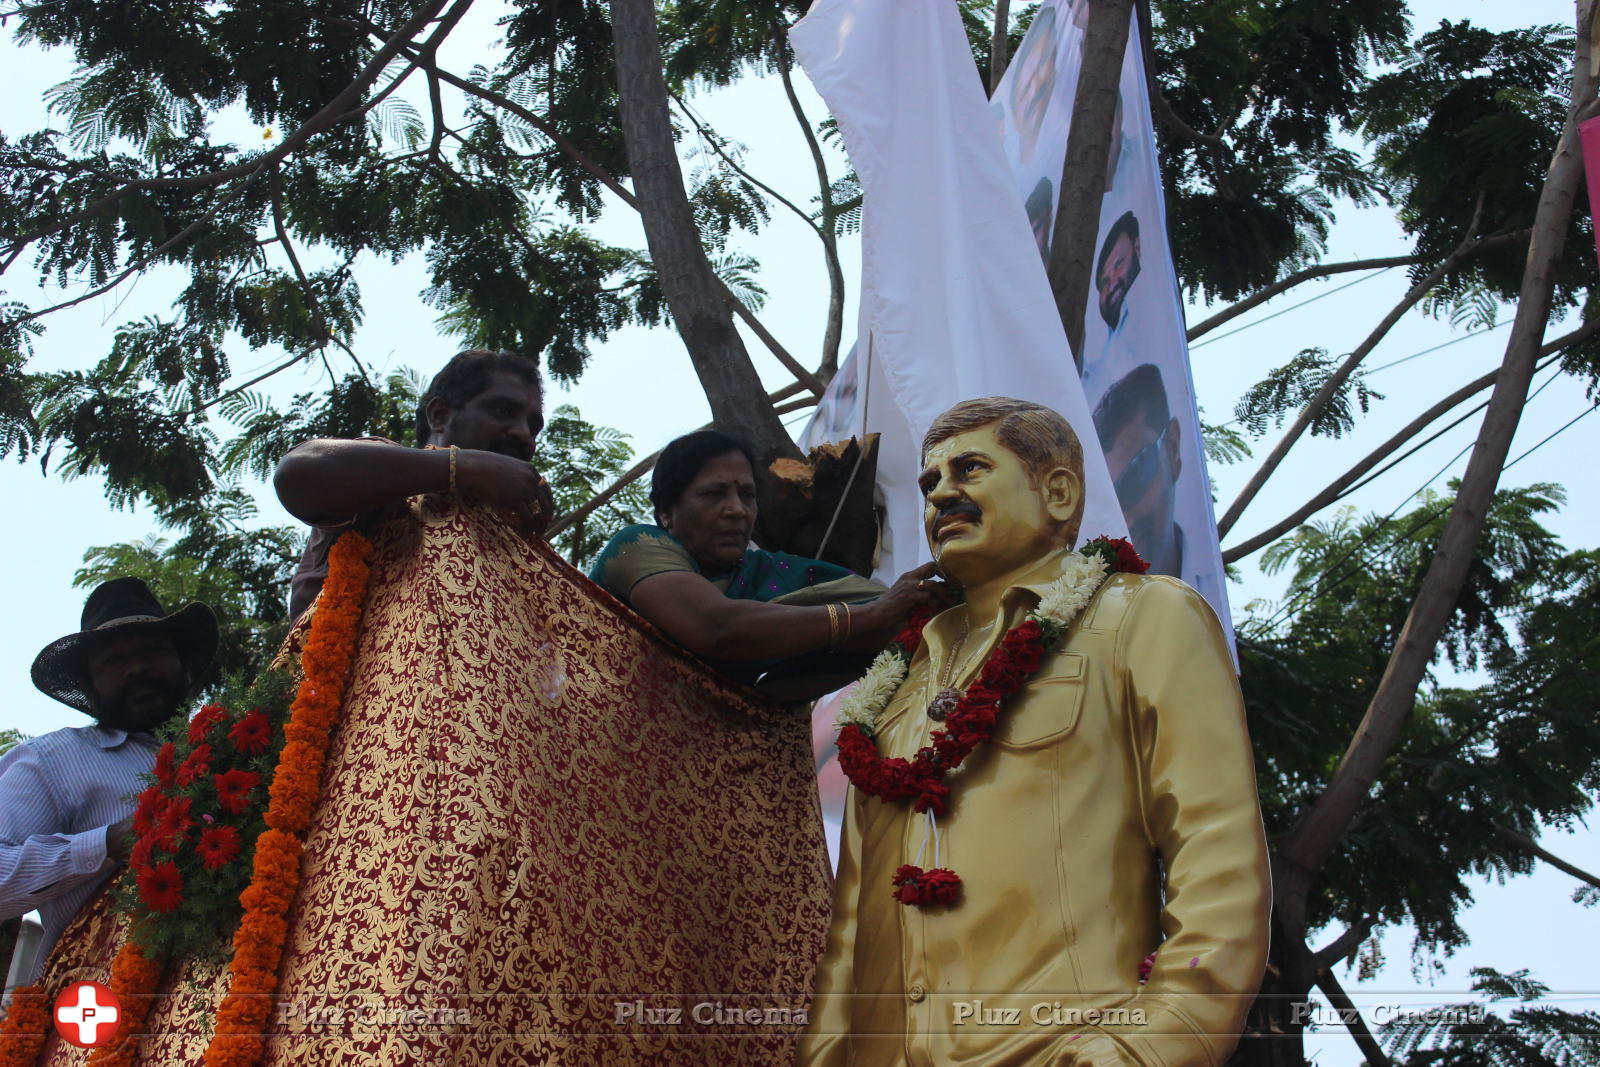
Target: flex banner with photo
1135	359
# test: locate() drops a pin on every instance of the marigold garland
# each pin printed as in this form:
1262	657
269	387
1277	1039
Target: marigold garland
26	1026
972	720
135	978
238	1038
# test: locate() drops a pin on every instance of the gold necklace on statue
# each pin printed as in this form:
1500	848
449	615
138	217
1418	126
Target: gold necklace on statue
945	700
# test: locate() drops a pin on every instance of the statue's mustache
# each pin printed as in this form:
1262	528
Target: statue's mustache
960	509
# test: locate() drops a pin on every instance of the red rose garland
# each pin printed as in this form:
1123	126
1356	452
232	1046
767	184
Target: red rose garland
971	723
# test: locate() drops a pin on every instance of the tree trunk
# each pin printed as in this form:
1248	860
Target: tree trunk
1310	842
999	44
1299	858
693	292
1083	174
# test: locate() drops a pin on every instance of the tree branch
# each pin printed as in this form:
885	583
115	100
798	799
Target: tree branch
1344	484
1353	1020
1158	100
342	108
833	329
714	142
1337	379
1345	944
601	175
1530	846
1322	270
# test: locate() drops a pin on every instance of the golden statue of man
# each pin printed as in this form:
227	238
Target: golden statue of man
1114	896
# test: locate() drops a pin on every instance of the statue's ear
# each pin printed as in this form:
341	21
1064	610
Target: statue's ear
1063	491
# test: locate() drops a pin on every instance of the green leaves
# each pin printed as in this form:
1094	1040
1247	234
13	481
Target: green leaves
1290	388
1520	750
579	459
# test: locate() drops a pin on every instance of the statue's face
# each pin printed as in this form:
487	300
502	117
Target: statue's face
983	517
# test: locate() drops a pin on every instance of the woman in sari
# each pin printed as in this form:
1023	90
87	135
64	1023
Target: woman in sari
696	576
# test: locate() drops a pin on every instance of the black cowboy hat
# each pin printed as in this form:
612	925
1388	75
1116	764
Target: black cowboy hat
122	605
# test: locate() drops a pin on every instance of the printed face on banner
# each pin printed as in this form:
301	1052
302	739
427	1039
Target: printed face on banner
1133	360
1034	82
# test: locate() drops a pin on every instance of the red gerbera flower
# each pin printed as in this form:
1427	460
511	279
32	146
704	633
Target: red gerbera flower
151	804
143	851
233	789
218	845
164	760
197	766
173	824
251	734
161	886
205	721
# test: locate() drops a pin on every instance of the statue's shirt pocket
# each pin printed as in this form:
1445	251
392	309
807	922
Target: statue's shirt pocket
1046	709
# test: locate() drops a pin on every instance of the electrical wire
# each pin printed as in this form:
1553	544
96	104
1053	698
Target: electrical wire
1292	607
1285	311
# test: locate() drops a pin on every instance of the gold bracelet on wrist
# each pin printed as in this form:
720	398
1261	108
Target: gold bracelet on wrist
833	625
849	624
454	451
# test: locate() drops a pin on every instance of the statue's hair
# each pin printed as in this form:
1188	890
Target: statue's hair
1040	437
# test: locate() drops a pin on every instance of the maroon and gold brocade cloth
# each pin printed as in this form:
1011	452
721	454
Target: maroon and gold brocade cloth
545	837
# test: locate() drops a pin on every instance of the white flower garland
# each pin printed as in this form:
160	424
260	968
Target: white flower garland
1059	604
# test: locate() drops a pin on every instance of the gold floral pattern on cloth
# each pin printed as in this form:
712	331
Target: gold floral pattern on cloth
546	837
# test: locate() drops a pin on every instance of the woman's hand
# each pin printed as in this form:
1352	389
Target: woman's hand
874	625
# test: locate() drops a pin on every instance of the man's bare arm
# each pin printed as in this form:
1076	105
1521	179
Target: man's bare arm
326	481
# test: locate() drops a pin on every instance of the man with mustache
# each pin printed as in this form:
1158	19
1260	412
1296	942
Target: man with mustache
476	426
1114	892
1115	270
66	808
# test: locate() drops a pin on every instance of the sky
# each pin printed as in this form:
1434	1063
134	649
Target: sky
641	382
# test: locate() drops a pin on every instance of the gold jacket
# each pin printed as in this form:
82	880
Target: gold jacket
1125	755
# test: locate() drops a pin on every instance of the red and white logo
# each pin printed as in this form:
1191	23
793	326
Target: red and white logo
87	1014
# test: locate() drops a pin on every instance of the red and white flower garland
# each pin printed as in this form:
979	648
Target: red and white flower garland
972	721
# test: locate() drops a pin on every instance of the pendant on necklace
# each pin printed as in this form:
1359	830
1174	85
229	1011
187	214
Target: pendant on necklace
944	702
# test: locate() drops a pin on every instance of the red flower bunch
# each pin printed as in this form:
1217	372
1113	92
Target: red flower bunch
913	885
1119	554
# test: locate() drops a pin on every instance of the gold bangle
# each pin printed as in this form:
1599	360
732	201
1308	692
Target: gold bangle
454	450
849	623
833	625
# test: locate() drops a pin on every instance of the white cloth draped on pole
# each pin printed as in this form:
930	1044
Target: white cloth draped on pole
954	304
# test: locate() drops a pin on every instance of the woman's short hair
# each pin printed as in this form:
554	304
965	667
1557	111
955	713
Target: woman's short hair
682	460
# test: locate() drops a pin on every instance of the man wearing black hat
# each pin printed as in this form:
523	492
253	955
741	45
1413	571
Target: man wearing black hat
66	798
